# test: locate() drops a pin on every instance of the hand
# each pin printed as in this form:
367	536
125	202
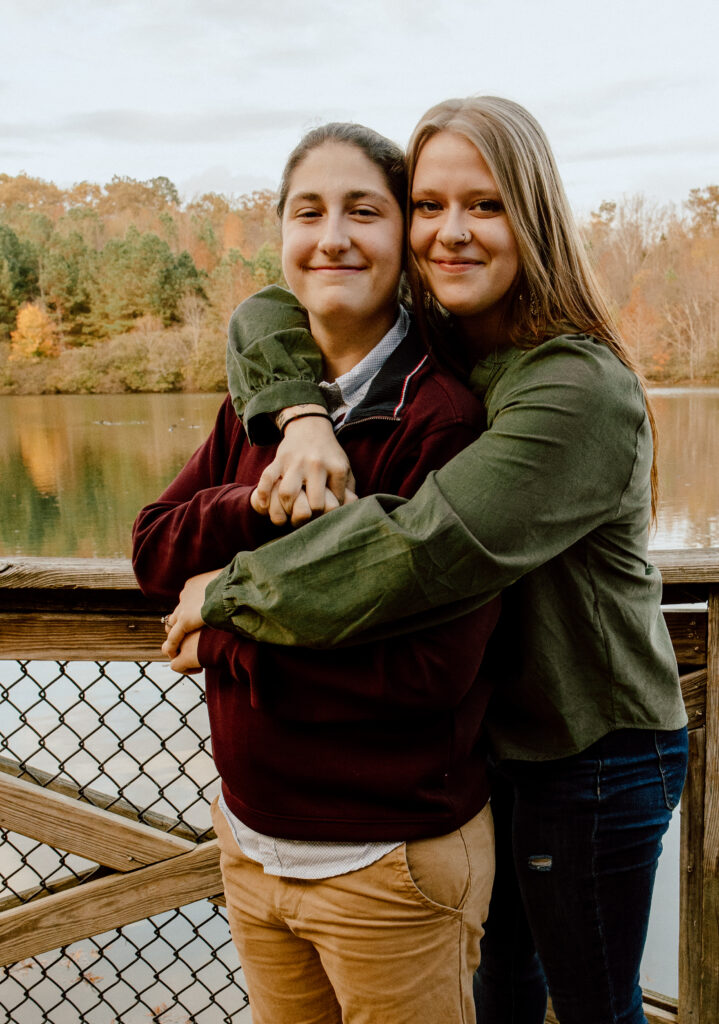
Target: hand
301	511
309	460
186	661
188	614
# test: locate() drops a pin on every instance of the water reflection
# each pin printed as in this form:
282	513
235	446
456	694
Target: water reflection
76	468
688	424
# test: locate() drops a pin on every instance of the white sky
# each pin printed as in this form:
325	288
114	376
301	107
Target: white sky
214	93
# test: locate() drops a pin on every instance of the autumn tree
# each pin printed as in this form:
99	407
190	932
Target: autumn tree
703	207
83	195
35	336
231	281
30	193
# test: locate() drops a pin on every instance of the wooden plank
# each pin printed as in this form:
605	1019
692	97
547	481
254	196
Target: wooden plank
119	636
682	565
134	632
36	892
95	797
657	1001
108	903
67	573
77	827
694	692
691	882
688	630
654	1014
85	636
710	901
70	882
687	565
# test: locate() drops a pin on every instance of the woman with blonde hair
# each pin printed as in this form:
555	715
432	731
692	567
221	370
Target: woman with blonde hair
551	506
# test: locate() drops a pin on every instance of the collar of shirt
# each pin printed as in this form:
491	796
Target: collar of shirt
348	390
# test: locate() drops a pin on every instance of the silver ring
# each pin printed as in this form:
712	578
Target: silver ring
165	619
465	238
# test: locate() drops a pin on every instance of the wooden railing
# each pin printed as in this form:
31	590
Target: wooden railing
88	610
77	609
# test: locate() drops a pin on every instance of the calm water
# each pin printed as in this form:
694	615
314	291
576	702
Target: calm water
76	468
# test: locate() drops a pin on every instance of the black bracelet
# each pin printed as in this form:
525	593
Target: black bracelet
302	415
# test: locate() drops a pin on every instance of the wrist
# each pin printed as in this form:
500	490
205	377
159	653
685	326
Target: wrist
299	412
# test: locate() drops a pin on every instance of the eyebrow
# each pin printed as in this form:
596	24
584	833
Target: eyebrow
354	194
365	193
480	193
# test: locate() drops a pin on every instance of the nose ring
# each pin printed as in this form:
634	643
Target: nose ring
465	237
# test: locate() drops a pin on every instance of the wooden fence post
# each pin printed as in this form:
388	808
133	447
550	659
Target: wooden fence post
710	866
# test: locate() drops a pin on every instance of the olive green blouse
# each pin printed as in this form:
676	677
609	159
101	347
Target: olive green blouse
549	506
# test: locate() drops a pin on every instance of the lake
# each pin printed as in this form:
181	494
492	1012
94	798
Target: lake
76	468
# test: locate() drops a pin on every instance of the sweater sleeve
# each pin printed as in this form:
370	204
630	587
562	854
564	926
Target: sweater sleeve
198	523
272	360
555	463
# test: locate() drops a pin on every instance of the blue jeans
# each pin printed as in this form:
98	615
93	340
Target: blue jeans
577	845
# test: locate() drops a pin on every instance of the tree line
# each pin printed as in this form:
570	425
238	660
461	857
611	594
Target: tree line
124	287
660	265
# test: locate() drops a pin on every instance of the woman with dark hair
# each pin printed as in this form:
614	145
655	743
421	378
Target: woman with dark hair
551	506
355	836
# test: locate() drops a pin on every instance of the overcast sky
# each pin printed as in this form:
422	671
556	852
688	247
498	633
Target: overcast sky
214	93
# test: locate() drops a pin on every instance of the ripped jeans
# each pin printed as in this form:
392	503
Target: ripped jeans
577	845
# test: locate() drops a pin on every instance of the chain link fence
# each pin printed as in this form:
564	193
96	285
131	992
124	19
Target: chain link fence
131	737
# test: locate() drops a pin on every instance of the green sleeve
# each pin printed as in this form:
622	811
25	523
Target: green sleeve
567	441
272	360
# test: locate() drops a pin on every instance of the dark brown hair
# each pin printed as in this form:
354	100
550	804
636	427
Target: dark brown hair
386	155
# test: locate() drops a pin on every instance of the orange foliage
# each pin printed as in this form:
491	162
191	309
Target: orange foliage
202	256
35	336
638	323
233	233
33	193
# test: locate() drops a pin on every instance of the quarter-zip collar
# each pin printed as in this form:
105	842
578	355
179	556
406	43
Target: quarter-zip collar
389	389
351	388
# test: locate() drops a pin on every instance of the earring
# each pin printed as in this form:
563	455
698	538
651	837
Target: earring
533	304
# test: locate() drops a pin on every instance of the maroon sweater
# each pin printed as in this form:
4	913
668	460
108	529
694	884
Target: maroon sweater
373	742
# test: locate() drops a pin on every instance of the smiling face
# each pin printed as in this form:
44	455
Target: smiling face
460	236
342	242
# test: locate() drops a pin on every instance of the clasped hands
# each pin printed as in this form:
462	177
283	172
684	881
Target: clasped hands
310	475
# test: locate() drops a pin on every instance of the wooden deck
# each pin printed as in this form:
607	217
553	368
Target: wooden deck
84	609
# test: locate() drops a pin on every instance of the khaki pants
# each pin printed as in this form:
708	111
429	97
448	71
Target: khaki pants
396	942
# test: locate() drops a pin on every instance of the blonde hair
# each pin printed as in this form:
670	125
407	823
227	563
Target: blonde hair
556	291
